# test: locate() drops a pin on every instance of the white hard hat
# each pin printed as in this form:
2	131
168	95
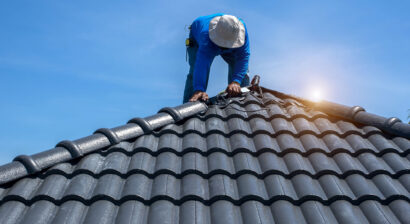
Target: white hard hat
227	31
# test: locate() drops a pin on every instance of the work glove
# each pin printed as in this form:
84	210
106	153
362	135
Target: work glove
199	95
233	89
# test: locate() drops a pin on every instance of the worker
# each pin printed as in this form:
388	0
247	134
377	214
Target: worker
213	35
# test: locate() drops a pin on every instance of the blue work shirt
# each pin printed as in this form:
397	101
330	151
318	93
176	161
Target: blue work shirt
207	51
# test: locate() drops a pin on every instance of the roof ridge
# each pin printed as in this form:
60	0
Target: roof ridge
24	165
392	125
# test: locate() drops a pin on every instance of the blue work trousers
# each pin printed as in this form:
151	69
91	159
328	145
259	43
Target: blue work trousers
189	84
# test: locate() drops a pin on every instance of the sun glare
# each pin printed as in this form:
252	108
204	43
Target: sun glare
316	95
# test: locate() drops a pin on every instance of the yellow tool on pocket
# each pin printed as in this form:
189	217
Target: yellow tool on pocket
188	43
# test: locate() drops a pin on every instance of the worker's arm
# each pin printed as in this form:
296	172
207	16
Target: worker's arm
241	61
204	58
201	71
240	69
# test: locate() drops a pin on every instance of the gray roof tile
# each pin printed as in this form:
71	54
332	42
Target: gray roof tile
246	186
273	159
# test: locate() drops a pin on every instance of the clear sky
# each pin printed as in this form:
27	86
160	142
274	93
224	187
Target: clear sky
68	68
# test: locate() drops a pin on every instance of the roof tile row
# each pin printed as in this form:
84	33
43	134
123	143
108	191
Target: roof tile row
315	165
282	143
296	127
299	188
220	212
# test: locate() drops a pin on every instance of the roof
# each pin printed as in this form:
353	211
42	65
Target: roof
265	157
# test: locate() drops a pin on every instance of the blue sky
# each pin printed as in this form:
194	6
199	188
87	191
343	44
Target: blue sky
69	68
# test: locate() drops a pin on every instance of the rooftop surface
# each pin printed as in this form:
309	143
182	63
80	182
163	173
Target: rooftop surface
264	157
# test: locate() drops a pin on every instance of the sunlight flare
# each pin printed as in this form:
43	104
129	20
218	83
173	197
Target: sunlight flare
316	95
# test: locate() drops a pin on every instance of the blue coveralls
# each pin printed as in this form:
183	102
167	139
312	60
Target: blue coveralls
202	52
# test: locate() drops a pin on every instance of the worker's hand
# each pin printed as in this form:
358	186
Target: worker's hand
199	95
233	89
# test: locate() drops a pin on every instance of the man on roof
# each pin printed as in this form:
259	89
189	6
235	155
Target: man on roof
210	36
